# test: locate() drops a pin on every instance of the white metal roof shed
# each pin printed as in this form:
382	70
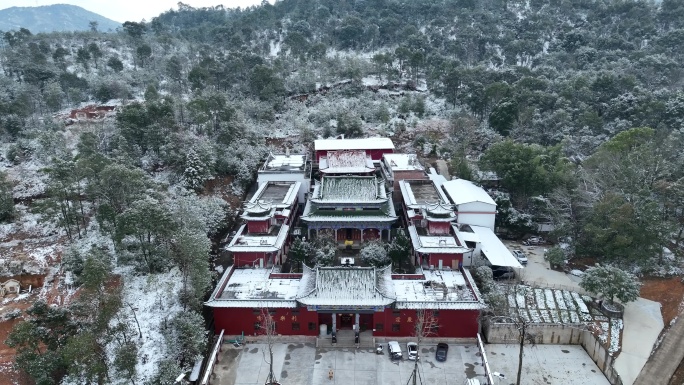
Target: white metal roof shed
464	191
494	250
353	144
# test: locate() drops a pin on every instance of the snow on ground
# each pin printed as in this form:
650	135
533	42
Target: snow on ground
153	301
539	305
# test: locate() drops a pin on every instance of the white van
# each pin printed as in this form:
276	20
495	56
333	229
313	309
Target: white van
394	350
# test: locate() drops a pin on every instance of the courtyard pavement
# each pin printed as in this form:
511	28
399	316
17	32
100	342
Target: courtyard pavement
304	364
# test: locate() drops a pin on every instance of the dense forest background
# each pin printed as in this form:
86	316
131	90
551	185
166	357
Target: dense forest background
576	105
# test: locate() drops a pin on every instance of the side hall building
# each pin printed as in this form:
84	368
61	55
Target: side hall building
262	239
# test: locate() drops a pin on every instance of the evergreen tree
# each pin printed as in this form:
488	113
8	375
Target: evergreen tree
6	200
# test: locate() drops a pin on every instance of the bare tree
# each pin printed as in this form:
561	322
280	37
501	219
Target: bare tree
502	313
267	327
425	325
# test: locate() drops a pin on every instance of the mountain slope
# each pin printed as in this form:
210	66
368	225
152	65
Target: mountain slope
49	18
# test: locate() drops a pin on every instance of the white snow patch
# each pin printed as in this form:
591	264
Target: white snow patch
153	300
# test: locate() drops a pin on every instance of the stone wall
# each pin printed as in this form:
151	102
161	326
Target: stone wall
558	335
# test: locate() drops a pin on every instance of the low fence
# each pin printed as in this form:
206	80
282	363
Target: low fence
211	360
507	333
408	276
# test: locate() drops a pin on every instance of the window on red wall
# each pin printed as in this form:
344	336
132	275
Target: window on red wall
396	327
312	326
257	326
295	326
379	327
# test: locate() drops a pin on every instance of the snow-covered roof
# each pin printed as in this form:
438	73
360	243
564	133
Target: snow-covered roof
258	243
347	286
281	194
285	163
430	244
346	162
353	144
493	249
383	213
258	210
420	192
462	191
349	189
438	179
441	289
245	288
402	162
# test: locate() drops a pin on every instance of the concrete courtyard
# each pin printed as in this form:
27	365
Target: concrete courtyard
303	363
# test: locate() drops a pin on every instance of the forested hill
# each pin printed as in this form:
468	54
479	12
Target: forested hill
567	65
125	153
53	18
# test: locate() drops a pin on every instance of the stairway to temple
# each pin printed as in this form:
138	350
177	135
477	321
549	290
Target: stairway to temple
345	339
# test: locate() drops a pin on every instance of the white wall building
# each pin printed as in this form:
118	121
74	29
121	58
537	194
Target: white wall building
473	205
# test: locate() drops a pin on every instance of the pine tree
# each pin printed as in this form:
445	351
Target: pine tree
6	201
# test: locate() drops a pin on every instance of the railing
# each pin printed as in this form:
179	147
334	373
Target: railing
408	276
212	360
285	276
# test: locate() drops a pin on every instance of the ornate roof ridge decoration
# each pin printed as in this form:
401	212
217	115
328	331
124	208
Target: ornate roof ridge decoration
432	206
258	206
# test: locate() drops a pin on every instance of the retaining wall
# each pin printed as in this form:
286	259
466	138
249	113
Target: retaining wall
558	335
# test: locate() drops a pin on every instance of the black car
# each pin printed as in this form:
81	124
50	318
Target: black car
442	350
503	272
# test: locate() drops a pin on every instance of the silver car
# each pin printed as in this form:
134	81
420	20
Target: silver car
520	256
412	349
394	350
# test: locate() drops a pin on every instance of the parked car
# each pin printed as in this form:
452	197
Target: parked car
534	241
520	256
503	272
442	350
412	349
394	350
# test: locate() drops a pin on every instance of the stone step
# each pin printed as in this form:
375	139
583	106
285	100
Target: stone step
347	343
327	344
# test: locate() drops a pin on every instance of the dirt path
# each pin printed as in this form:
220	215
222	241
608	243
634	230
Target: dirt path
443	169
